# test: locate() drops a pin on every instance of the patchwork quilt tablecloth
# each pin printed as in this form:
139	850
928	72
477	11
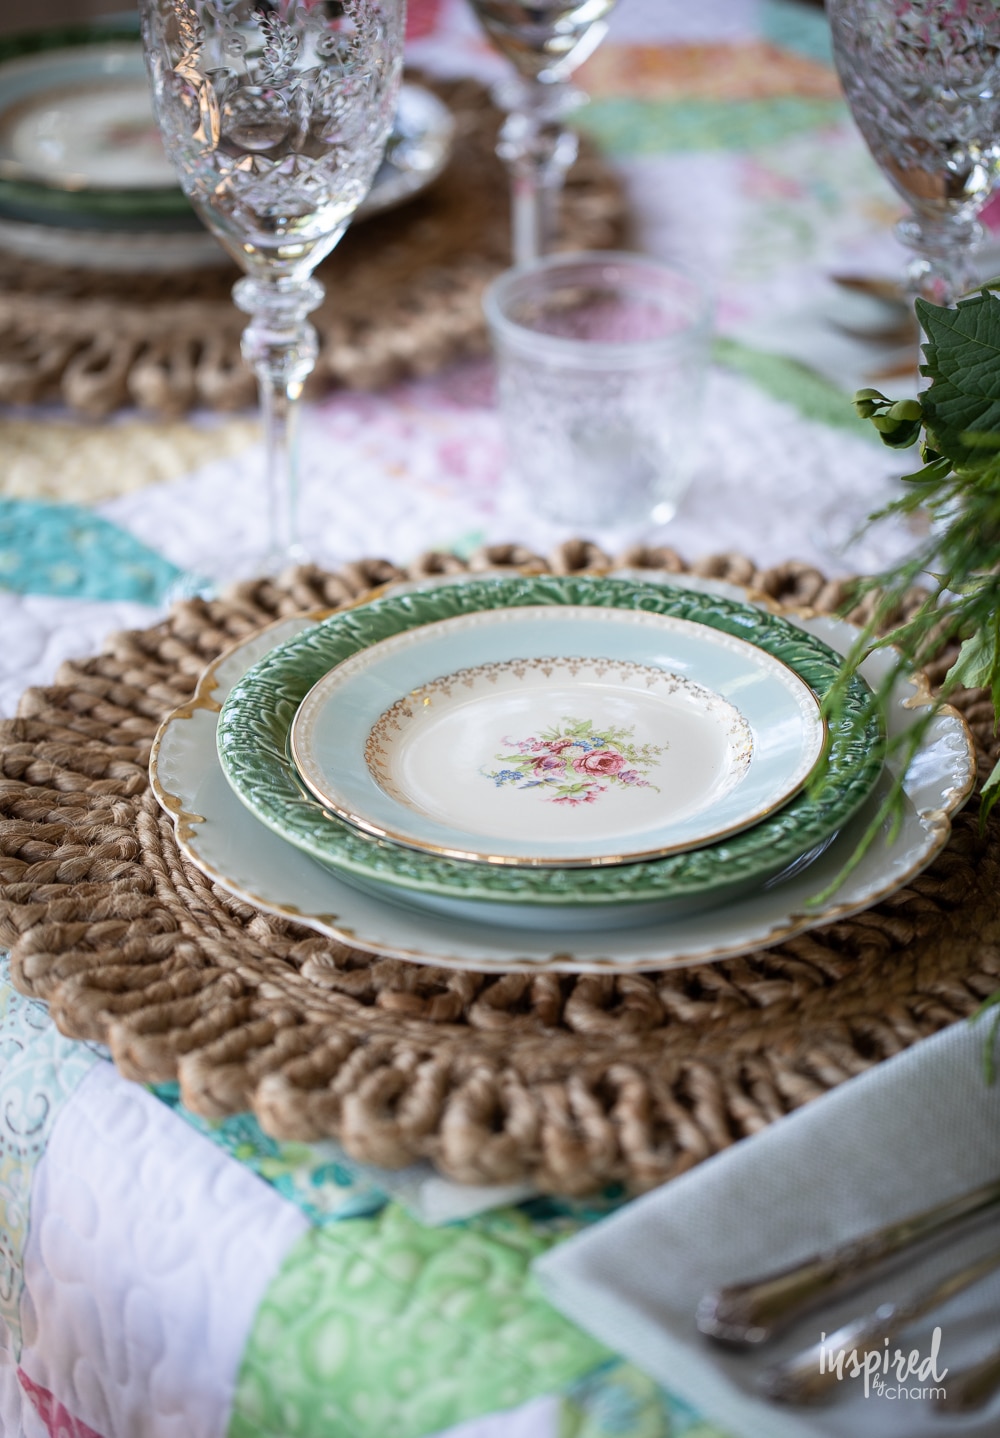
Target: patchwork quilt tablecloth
166	1277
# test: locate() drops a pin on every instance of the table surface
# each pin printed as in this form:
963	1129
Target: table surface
161	1275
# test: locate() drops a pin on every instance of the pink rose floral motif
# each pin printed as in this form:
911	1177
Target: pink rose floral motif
605	761
575	762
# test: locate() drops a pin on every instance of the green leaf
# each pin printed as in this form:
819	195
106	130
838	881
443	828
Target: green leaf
930	474
989	796
975	440
977	661
959	488
963	363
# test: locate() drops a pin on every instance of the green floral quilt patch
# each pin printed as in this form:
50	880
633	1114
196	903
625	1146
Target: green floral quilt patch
382	1328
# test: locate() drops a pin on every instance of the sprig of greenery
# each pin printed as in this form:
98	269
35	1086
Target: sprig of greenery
957	422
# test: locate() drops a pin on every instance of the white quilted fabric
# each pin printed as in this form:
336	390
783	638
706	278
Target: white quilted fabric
537	1419
380	487
39	632
352	504
640	21
17	1417
149	1253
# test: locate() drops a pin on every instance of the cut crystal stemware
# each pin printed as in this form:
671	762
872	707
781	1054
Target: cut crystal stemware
922	78
545	41
275	115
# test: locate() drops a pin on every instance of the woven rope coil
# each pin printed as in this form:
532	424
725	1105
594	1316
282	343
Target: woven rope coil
404	293
569	1081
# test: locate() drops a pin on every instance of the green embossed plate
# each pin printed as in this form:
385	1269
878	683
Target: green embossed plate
256	718
253	746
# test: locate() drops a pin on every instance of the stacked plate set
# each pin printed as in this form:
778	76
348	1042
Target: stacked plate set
84	179
574	773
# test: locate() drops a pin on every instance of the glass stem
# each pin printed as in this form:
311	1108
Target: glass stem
281	347
538	150
941	270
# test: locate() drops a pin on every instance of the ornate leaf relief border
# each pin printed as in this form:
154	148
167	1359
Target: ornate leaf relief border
254	753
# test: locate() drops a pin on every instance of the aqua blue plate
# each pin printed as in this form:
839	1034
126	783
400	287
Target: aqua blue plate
558	735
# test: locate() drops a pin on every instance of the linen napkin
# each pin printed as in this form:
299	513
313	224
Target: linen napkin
916	1130
435	1200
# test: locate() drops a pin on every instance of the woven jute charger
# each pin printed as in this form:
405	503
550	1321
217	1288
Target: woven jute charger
404	292
571	1082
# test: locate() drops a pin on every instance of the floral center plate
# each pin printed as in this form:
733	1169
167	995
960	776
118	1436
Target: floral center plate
581	736
97	132
81	119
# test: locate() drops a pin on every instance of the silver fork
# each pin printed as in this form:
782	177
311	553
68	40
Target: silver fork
750	1313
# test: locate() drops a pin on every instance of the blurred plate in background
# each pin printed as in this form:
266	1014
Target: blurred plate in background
80	152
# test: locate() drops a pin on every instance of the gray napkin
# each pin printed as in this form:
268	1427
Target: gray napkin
917	1129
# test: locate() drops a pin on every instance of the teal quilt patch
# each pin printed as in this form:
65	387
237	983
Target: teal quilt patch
628	127
317	1177
617	1400
793	26
65	551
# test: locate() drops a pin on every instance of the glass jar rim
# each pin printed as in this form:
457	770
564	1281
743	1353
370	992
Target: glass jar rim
648	274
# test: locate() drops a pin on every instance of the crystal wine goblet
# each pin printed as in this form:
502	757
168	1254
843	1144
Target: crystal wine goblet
546	41
922	78
275	115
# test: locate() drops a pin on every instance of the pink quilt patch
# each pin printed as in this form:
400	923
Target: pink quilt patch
421	18
59	1421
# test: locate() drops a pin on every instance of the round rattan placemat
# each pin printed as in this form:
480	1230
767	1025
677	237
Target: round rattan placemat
569	1081
403	293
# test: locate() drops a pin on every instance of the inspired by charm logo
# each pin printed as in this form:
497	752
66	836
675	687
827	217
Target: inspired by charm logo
890	1374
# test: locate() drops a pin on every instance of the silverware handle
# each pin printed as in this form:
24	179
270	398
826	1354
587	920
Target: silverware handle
971	1388
811	1375
750	1313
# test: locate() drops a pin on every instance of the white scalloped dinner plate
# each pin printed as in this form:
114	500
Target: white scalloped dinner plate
216	833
